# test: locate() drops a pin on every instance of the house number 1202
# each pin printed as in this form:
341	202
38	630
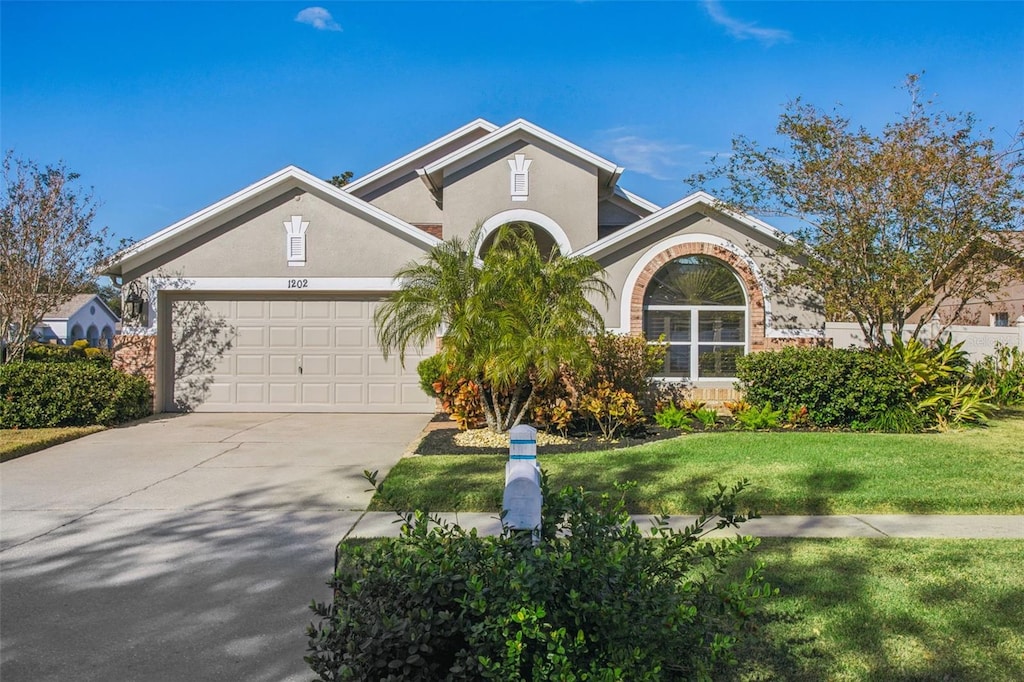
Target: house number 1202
298	284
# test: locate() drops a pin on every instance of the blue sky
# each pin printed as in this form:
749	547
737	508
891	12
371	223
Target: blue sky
165	108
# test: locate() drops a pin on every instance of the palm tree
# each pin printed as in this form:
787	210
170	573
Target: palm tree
511	321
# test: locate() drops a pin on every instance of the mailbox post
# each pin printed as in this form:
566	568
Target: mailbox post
522	499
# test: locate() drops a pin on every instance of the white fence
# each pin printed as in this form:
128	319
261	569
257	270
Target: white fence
978	341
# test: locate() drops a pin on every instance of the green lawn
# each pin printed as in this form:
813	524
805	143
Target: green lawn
977	471
877	610
18	442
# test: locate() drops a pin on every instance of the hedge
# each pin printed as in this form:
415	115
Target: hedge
49	394
839	386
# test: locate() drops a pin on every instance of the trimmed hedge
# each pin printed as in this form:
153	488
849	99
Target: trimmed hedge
839	386
79	351
48	394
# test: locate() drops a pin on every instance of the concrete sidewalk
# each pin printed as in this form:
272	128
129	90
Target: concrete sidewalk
383	524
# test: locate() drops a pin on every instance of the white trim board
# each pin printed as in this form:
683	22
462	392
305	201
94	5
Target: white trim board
430	174
276	285
411	158
203	220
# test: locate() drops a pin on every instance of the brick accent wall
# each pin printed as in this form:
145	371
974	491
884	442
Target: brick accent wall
136	355
433	229
754	295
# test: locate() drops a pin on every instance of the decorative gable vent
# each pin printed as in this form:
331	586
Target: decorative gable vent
520	179
295	246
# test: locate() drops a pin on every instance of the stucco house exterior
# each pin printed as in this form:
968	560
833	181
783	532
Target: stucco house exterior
296	267
83	316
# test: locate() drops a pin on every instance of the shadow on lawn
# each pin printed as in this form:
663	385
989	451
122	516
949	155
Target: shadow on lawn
835	618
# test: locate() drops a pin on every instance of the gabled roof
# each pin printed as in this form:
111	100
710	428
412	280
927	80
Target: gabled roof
210	217
634	199
667	215
433	173
73	305
470	132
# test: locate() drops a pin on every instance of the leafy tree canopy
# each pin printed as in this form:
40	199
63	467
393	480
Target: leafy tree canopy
919	216
49	247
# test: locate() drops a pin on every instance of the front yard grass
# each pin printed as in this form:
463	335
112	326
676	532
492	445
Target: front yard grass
868	609
977	471
17	442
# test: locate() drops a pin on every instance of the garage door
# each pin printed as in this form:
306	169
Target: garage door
300	354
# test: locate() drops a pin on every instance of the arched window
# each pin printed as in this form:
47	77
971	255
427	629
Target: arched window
76	333
546	244
93	336
699	305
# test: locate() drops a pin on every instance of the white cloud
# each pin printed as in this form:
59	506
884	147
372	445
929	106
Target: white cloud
743	30
318	18
659	159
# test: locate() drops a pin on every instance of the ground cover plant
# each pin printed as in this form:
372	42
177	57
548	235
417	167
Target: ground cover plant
975	471
596	598
889	609
17	442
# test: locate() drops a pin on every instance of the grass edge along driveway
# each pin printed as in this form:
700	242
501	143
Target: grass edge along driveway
15	443
975	471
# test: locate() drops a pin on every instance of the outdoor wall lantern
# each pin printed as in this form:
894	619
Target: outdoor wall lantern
135	305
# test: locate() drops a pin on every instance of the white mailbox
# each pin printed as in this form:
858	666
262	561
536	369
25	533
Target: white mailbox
522	499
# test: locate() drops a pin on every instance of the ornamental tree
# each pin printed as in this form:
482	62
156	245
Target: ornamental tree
49	247
510	321
923	215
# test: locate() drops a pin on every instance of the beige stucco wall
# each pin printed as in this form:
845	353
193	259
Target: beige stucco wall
561	187
407	198
790	310
339	243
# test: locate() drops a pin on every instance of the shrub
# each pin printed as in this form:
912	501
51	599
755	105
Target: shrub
707	417
45	394
757	418
672	417
736	406
431	371
1002	373
663	393
596	599
627	362
955	406
613	409
460	398
897	420
839	386
79	351
942	395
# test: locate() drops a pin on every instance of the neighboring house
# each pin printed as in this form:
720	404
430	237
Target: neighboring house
83	316
296	267
1000	307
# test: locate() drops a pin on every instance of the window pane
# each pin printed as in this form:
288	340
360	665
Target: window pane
694	280
674	324
718	361
677	362
721	325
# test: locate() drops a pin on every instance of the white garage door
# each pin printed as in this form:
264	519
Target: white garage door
308	355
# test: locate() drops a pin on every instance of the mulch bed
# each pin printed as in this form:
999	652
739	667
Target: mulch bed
440	441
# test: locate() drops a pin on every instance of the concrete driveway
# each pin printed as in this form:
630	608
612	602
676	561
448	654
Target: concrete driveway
182	548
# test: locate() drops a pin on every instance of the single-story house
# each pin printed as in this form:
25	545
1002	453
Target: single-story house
83	316
1002	305
296	267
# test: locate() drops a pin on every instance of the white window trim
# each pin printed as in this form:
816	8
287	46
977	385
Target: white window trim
695	343
525	215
